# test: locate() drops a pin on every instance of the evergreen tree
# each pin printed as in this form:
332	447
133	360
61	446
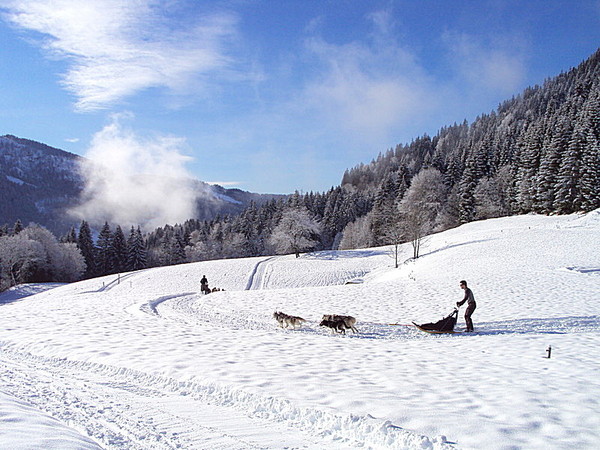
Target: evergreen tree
568	195
119	251
136	250
385	211
18	227
549	168
70	237
589	184
104	251
85	244
177	247
528	165
467	185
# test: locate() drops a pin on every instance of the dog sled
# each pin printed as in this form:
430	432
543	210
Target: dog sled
445	325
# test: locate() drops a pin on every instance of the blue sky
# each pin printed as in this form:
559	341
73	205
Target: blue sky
270	96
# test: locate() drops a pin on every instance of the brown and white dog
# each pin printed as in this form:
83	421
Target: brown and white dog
285	320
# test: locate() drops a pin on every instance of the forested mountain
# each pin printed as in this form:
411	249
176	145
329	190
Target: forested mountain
537	152
39	183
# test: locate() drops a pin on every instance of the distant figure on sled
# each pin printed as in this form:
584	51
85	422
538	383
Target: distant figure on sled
204	285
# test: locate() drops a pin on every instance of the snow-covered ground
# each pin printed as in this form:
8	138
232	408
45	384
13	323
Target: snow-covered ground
147	362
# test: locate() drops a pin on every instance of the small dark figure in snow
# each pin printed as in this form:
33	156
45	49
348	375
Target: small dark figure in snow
204	285
471	305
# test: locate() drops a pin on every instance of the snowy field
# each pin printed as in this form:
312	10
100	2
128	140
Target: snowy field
147	362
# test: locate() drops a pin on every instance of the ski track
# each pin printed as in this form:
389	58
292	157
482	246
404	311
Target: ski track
139	411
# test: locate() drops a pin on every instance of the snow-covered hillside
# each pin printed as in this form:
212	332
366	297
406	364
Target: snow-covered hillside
145	361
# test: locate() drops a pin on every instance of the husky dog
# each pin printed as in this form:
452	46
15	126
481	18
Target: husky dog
348	321
287	320
336	326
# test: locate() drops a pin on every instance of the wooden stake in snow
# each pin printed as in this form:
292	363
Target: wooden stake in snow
549	350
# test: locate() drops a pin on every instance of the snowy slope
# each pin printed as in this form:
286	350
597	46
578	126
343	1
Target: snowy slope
145	361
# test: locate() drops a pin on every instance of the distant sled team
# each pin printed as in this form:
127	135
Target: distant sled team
337	323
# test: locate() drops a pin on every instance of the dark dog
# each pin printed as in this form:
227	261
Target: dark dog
337	326
348	321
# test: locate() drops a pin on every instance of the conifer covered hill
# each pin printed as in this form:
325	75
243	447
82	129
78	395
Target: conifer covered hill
537	152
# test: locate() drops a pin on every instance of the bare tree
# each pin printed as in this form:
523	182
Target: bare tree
393	235
420	207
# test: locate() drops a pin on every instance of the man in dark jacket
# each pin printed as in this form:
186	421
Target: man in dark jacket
471	305
204	285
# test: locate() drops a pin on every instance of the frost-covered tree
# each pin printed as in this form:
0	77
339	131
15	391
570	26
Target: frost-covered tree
19	258
420	207
491	195
35	255
61	261
590	175
357	234
68	264
568	193
296	232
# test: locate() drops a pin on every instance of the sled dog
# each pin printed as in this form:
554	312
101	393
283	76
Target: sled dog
337	326
285	320
348	321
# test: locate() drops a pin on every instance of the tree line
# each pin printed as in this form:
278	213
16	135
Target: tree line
33	254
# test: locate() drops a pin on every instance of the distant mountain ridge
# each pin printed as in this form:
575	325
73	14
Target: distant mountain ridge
38	183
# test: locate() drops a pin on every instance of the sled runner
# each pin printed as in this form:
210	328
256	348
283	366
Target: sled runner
445	325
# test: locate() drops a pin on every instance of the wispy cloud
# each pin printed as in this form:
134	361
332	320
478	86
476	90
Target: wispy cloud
134	180
497	64
117	48
367	87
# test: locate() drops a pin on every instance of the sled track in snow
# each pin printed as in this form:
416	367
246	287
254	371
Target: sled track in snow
258	277
123	408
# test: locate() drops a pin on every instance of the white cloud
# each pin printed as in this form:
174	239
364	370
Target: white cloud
135	181
498	65
117	48
369	88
